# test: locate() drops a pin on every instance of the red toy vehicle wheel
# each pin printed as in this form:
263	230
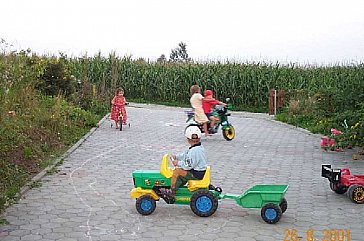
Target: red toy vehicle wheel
356	193
338	188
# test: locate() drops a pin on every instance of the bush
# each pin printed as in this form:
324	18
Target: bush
352	126
324	111
56	78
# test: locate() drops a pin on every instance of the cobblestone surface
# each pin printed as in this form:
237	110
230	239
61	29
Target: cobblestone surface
88	199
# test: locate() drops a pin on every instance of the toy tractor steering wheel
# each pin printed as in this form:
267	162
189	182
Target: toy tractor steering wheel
170	161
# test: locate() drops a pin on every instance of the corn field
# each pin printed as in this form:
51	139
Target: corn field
246	84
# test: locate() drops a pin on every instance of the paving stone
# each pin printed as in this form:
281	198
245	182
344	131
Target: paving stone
42	231
11	238
18	232
53	236
31	237
243	238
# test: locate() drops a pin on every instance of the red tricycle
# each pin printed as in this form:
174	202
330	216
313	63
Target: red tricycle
120	119
341	181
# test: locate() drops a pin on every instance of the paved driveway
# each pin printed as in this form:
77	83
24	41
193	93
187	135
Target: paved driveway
88	199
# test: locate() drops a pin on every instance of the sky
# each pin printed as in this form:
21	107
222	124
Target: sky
286	31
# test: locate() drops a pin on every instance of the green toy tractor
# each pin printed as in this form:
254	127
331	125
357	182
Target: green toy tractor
203	197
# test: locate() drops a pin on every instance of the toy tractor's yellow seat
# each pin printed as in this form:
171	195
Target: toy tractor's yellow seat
193	185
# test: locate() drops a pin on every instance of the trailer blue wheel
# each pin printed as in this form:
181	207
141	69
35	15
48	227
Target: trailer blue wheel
145	205
203	203
283	205
271	213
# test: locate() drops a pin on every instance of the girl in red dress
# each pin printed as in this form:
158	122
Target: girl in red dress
118	105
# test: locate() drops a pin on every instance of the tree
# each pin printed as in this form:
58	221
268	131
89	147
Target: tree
162	59
180	54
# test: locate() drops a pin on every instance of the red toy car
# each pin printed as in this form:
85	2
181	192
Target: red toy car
341	181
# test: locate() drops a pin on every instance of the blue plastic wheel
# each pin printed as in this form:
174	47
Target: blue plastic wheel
145	205
203	203
271	213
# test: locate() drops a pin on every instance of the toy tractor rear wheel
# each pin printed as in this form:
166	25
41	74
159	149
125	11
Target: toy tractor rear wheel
145	205
271	213
228	132
338	188
283	205
203	203
356	193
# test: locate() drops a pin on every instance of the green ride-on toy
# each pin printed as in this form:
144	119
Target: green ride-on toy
228	130
202	196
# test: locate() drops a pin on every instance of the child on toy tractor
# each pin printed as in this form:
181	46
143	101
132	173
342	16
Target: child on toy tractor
190	164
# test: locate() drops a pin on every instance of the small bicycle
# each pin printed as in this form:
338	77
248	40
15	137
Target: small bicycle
120	121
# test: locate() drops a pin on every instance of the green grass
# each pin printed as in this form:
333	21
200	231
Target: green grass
3	221
30	142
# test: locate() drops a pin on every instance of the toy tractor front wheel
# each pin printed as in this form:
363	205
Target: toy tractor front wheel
145	205
203	203
228	132
356	193
338	188
271	213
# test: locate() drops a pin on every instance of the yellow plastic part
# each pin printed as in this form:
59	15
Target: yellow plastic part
197	184
137	192
165	169
192	184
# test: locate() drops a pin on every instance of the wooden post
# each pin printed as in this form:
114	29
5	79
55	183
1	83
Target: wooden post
276	100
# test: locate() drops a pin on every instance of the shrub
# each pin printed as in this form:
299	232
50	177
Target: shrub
56	78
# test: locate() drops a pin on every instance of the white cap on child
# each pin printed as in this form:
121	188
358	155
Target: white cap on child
192	130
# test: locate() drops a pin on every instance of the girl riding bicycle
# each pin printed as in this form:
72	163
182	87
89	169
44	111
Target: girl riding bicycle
118	107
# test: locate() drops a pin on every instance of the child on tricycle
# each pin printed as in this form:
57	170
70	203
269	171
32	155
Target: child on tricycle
208	103
118	112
